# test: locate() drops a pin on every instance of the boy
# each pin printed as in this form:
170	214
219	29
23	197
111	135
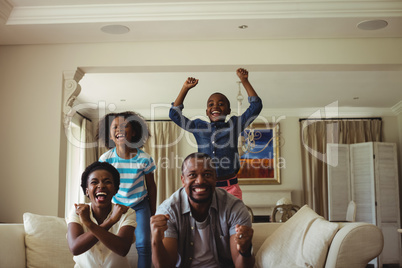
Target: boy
219	138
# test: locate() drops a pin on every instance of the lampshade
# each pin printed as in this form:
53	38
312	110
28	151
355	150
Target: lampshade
284	201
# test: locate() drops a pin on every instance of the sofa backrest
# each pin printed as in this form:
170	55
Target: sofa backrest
12	243
12	246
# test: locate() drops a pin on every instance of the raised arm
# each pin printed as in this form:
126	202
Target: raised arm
243	75
164	249
240	247
188	84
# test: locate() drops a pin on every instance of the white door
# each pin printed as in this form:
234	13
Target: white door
387	196
362	180
338	169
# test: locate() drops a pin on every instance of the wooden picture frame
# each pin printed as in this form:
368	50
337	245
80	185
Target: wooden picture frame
259	154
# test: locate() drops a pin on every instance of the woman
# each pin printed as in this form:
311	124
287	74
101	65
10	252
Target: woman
100	233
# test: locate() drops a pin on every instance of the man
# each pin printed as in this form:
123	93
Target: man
200	225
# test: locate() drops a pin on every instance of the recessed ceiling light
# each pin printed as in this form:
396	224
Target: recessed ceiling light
372	24
243	27
115	29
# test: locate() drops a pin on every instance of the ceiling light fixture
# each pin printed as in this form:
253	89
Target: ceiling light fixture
372	25
243	27
115	29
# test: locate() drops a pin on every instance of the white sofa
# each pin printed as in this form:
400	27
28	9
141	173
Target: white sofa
42	243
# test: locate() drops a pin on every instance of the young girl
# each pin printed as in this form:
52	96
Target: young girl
100	233
125	133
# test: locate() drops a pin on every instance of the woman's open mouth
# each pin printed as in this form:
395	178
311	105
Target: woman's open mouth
101	196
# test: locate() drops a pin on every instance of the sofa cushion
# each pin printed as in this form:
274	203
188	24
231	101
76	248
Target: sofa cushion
302	241
46	242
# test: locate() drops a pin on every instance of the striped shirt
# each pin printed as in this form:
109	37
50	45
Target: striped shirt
132	176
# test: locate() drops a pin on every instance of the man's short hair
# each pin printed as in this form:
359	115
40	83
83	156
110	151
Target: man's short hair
203	156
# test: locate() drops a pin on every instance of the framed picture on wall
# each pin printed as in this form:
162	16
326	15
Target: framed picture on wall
259	154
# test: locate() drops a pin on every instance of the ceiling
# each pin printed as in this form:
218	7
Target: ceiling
24	22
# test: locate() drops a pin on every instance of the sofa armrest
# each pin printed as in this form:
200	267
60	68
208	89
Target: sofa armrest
12	246
354	245
261	232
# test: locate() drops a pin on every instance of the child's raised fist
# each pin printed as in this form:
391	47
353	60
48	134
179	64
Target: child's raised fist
242	73
190	83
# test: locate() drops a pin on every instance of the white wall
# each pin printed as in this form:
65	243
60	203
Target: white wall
33	143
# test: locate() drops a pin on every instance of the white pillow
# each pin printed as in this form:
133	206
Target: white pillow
302	241
46	242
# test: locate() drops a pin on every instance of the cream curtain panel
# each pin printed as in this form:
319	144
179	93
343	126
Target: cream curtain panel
81	151
163	147
87	151
314	136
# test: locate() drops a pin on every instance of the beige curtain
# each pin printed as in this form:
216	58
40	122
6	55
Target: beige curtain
81	151
101	150
314	136
163	147
88	150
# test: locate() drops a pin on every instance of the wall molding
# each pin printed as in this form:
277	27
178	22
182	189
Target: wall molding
265	9
71	89
5	10
397	108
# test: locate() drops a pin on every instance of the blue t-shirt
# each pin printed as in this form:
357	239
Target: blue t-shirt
219	139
